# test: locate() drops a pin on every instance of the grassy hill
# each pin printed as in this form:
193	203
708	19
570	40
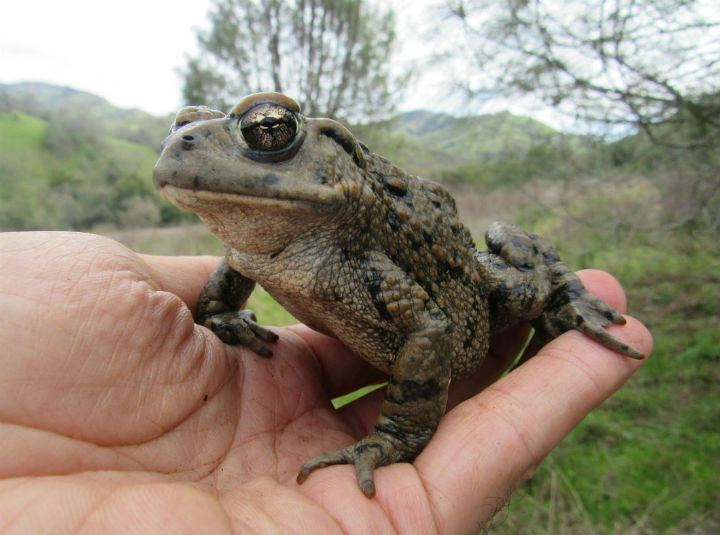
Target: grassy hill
71	160
431	144
474	137
19	131
49	101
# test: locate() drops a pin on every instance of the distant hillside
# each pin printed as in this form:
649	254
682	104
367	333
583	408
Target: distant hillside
47	101
485	135
71	160
37	97
431	144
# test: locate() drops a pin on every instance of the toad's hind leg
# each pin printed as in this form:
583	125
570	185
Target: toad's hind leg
415	400
527	280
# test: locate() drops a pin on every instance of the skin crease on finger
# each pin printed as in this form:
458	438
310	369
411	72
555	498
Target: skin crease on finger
483	449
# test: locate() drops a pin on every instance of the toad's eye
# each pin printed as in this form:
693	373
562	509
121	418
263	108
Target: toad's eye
268	127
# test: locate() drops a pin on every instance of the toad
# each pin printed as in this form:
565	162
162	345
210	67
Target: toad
360	250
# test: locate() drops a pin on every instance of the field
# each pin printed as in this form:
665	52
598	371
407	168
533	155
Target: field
648	460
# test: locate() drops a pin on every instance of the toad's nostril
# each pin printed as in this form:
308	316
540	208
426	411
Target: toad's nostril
188	142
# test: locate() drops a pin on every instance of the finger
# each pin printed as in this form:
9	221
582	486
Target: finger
605	286
183	276
488	445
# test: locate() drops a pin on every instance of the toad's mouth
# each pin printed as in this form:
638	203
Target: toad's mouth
199	200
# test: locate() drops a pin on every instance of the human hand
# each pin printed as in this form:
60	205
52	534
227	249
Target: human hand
119	413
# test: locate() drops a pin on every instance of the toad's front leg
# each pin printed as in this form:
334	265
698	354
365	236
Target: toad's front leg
219	309
415	400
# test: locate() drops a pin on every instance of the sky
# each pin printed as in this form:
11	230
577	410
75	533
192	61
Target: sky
129	52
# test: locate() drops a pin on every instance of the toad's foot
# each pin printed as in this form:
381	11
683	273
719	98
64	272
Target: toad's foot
377	449
220	309
527	279
241	327
415	400
571	306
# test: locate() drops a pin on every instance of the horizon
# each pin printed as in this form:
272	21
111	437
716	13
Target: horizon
394	114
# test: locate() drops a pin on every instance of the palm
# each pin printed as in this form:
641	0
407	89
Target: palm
150	422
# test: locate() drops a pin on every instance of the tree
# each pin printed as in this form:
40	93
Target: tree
639	63
332	56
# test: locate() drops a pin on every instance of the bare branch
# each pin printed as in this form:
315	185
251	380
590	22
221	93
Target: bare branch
633	62
331	55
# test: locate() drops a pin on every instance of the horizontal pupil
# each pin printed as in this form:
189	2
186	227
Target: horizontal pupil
268	129
269	122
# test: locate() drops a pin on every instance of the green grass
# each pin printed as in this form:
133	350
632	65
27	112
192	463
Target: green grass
268	311
647	460
22	153
60	176
341	401
19	131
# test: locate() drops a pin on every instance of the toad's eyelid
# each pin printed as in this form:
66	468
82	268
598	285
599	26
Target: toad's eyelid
257	99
